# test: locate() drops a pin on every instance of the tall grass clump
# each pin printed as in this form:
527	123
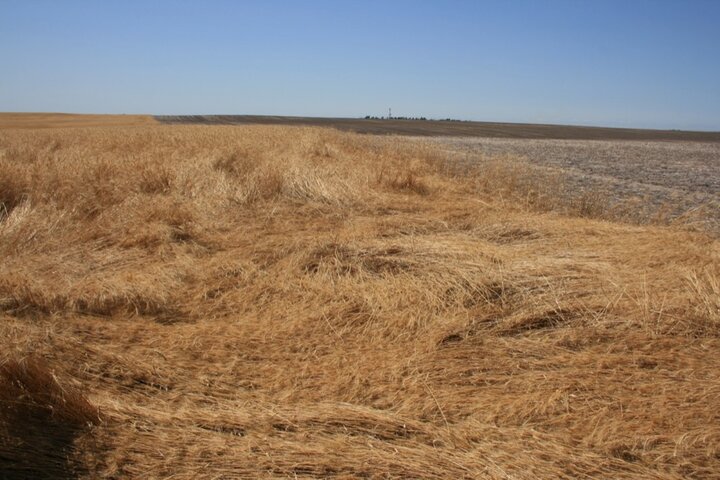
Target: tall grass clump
41	418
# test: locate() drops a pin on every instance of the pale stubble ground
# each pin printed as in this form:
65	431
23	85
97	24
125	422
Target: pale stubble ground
673	176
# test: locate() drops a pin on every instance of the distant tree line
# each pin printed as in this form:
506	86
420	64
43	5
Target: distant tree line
373	117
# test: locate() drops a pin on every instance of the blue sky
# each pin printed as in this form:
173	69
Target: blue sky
635	63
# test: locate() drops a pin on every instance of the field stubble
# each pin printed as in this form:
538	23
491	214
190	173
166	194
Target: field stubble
638	181
255	302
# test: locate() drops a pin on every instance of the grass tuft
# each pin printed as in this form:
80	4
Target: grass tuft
40	421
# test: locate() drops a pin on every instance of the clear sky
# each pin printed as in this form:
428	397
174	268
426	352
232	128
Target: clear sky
635	63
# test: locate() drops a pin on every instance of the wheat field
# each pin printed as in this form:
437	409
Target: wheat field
294	302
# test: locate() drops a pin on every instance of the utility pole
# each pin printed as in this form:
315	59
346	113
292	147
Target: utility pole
389	113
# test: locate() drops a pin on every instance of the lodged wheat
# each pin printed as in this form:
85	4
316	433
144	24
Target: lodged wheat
263	302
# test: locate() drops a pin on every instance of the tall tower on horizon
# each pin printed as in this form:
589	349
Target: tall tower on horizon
389	113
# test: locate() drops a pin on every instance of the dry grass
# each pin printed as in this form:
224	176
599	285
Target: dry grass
256	302
40	422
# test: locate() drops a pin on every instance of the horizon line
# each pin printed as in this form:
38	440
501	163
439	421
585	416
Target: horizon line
362	117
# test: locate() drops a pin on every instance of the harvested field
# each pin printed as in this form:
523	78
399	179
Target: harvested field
286	302
448	128
656	180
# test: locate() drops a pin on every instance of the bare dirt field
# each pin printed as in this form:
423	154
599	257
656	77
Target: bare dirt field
292	302
448	128
657	178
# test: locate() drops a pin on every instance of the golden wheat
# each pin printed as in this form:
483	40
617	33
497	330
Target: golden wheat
257	302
